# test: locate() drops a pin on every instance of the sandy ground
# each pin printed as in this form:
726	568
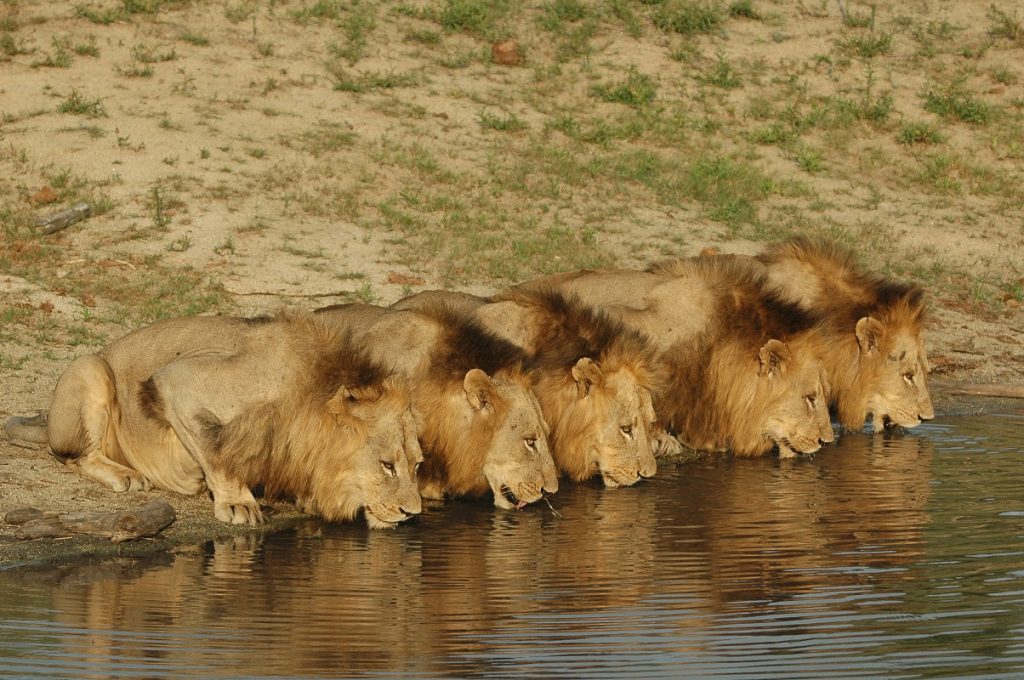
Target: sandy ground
239	160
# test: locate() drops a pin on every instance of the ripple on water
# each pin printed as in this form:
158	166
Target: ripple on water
891	555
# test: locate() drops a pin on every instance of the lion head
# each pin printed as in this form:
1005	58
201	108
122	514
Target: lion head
488	436
341	440
792	399
594	377
891	376
604	417
749	400
378	472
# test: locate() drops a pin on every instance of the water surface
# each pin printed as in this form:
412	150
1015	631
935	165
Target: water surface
898	555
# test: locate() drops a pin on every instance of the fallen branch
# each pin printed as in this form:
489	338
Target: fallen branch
118	526
980	390
261	293
51	224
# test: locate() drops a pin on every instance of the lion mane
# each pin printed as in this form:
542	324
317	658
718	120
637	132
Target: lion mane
711	400
579	348
302	446
874	349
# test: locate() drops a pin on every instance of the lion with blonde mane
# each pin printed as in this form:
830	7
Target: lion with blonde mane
479	424
743	372
593	375
286	404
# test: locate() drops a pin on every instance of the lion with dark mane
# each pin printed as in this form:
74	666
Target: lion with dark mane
872	336
744	373
876	358
593	375
479	424
286	404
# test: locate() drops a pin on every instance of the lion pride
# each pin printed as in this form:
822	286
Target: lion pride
744	373
286	404
593	375
479	424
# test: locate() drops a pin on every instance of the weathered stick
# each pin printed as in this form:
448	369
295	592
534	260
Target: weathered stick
118	526
980	390
51	224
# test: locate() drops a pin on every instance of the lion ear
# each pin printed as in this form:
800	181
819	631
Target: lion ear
345	397
869	333
775	357
479	389
586	373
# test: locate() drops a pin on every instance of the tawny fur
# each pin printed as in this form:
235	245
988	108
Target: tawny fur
563	330
822	277
713	402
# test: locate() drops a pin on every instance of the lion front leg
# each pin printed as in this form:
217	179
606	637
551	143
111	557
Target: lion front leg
81	425
233	502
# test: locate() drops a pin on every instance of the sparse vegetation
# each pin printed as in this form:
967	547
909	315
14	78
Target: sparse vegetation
618	132
954	99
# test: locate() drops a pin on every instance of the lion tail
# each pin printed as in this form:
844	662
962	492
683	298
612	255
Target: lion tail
28	428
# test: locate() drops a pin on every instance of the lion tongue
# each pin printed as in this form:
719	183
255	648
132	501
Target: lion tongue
520	505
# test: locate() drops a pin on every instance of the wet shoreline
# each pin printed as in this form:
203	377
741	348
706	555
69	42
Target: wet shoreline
195	523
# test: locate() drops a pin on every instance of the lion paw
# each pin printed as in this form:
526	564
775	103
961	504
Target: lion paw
243	512
663	444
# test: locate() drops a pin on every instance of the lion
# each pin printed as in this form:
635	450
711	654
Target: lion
286	404
744	373
875	358
478	421
594	377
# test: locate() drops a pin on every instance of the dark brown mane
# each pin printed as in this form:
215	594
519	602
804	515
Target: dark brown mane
848	291
465	344
568	330
747	313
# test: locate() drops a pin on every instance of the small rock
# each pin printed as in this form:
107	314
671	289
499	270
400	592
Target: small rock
710	251
506	52
44	196
88	299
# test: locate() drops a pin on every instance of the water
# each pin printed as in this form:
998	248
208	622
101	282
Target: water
893	556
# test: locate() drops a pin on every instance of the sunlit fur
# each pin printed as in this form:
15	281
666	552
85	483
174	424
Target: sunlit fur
325	448
885	378
475	410
588	420
726	392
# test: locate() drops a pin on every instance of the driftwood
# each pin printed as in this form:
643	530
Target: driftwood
118	526
51	224
979	389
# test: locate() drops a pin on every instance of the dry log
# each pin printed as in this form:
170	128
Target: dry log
118	526
44	527
51	224
22	515
980	390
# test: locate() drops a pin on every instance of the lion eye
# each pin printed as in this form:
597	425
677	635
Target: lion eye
627	430
811	400
909	377
531	443
388	468
416	468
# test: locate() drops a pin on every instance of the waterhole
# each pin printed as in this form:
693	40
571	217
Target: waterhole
897	555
